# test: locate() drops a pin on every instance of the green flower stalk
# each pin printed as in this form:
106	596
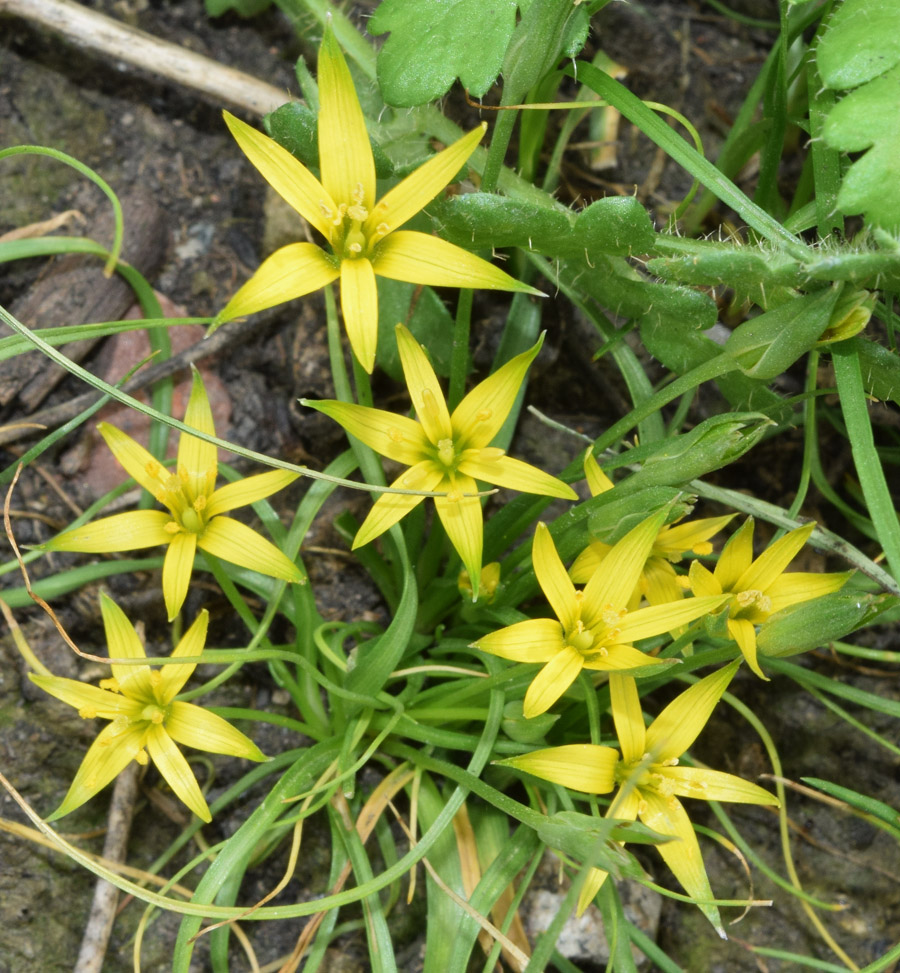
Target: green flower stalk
594	628
194	515
649	779
758	588
364	236
445	453
147	720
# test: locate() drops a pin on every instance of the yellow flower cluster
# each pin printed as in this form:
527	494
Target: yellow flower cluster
628	591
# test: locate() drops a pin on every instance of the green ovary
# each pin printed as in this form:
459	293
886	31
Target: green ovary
581	639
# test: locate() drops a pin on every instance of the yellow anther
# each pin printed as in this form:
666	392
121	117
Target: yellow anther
155	677
382	229
611	615
88	713
358	213
172	528
142	758
395	435
355	248
111	684
173	483
455	495
482	415
200	503
703	547
152	469
359	194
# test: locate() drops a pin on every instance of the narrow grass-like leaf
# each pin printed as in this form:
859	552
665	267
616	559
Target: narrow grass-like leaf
865	456
868	805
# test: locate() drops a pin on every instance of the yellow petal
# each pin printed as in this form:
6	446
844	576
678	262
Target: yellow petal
391	507
660	582
296	185
713	785
743	631
588	561
176	770
345	154
682	854
98	702
139	463
195	727
534	640
123	643
593	882
359	305
236	542
420	187
121	532
177	568
613	585
492	466
624	658
645	622
173	677
292	271
462	520
771	563
680	723
424	259
675	540
481	414
108	756
397	437
247	490
703	581
598	482
424	389
582	767
736	556
791	589
197	459
627	716
551	576
552	681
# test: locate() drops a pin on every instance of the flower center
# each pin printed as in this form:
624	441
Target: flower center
349	240
153	713
185	494
751	603
446	454
580	638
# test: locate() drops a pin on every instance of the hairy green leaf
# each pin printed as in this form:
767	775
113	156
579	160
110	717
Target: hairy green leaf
432	44
861	42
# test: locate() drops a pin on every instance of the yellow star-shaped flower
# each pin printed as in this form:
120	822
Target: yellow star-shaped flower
758	588
649	779
194	516
363	234
445	453
658	582
593	628
147	720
